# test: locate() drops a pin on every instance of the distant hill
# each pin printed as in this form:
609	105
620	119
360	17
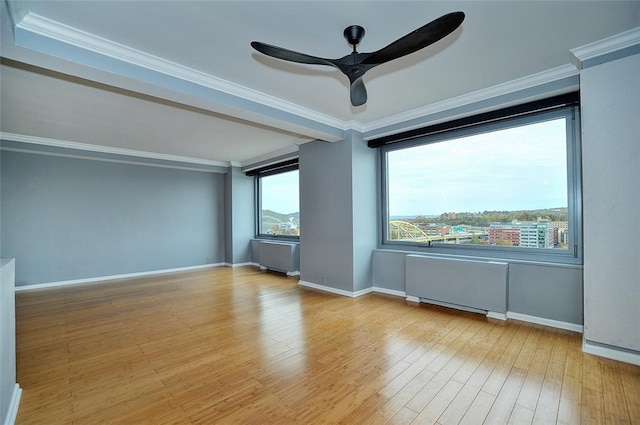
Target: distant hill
486	217
280	217
411	217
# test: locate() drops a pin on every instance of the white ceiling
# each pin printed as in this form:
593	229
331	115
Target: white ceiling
179	78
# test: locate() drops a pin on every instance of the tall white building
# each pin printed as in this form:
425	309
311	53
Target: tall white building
533	234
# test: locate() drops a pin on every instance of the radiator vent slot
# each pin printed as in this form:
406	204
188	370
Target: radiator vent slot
470	284
278	256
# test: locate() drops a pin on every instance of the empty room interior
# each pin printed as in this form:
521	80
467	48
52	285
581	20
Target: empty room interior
305	212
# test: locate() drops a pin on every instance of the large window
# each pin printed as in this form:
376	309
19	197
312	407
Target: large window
278	203
508	188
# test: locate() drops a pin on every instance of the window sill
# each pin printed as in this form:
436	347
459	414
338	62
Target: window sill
475	254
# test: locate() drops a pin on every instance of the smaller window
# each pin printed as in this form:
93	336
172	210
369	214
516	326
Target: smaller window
278	202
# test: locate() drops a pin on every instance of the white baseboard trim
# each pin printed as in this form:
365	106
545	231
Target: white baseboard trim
294	273
496	315
546	322
508	315
12	413
610	353
327	289
350	294
362	292
234	265
113	277
394	292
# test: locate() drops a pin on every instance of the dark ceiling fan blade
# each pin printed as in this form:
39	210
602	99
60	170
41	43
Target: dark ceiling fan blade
289	55
355	65
418	39
358	92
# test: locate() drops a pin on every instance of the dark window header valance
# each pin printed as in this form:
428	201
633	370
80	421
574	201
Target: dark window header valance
280	167
561	101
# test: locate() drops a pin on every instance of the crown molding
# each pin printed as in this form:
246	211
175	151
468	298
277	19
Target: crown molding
530	81
44	27
17	10
586	55
107	150
355	126
271	158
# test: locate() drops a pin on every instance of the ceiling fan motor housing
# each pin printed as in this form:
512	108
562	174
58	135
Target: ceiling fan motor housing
354	34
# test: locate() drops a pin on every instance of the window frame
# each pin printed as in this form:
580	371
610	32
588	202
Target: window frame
275	169
571	255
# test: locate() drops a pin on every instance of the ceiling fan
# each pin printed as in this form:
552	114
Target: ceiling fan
355	65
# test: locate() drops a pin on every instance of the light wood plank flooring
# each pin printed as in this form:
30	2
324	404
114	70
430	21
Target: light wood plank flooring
223	345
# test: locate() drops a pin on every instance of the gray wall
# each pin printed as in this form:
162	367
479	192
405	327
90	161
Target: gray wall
326	223
611	201
549	291
338	213
365	207
7	338
388	270
239	216
69	218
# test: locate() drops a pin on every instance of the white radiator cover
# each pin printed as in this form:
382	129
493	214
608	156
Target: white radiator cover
474	284
279	256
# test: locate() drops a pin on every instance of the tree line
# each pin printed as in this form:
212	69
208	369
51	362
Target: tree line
484	218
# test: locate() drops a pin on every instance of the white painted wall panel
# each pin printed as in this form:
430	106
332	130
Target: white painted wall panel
611	202
8	386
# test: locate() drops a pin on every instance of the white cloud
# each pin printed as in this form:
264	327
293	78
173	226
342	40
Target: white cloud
280	192
511	169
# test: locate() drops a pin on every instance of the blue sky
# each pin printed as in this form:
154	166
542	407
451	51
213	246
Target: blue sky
513	169
520	168
280	193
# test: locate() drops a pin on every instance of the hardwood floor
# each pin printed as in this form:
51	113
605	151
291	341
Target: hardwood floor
226	345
